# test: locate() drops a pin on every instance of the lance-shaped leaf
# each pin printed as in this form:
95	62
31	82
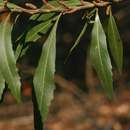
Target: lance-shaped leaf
20	51
115	42
2	85
7	59
44	76
78	39
43	27
100	57
33	35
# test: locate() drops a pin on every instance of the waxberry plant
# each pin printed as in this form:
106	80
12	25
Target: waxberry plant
45	19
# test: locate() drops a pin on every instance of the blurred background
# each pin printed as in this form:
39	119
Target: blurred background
79	102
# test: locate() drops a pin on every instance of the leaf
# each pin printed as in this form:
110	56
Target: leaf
115	43
42	17
43	27
44	76
7	59
20	51
33	35
78	39
100	58
24	50
2	85
21	46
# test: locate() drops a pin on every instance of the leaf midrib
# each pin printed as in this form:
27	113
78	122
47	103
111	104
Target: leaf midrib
46	61
4	47
99	52
3	36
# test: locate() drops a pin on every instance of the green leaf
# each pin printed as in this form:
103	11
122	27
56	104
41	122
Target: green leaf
42	17
33	35
20	41
2	85
78	39
7	59
100	57
43	27
20	51
115	43
44	76
24	50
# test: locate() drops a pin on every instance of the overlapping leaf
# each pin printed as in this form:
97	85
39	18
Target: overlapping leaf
7	59
33	35
115	42
44	76
43	27
100	58
32	32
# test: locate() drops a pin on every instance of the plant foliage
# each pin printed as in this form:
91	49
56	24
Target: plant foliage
44	20
7	59
100	57
115	43
44	78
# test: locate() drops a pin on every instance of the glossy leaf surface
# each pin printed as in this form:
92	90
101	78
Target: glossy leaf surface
7	59
44	76
100	58
33	35
43	27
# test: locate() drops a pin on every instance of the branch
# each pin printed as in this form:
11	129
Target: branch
32	9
